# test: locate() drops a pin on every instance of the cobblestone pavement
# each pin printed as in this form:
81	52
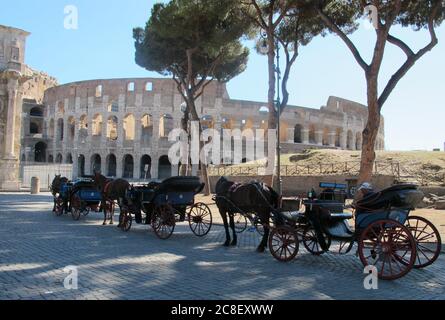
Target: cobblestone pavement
35	247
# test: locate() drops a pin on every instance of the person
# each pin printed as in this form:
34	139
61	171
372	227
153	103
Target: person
364	190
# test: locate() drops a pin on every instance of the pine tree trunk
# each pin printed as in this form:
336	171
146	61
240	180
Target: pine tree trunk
371	131
273	119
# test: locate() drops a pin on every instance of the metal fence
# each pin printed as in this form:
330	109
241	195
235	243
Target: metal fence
45	172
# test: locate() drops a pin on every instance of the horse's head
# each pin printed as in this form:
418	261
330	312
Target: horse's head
223	185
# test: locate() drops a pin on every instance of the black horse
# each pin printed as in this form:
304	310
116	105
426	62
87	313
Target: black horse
251	197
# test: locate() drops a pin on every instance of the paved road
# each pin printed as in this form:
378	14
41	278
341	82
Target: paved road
35	247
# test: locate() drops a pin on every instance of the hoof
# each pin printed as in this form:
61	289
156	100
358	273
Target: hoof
260	249
111	223
104	224
234	243
226	244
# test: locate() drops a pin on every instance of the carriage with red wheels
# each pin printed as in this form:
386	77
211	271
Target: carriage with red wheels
163	205
84	198
387	236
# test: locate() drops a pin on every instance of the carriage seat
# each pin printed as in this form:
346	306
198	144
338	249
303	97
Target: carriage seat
341	216
291	215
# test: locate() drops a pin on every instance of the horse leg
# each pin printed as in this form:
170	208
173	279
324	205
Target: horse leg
232	226
226	227
54	202
111	213
263	245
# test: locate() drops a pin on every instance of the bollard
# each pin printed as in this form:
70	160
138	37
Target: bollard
35	185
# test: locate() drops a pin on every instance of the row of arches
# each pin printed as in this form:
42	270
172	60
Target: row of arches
128	163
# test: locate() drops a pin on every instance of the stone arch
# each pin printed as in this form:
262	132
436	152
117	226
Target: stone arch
166	125
312	134
338	133
81	165
145	167
60	127
112	128
83	128
129	127
165	168
128	166
96	163
131	86
36	112
147	129
40	151
59	158
111	165
326	137
97	125
50	158
34	127
298	136
61	108
99	91
358	141
349	140
149	86
69	158
71	128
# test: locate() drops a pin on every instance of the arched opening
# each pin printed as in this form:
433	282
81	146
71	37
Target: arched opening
50	158
358	141
69	158
61	108
298	134
71	128
166	125
59	158
97	125
60	127
149	86
96	164
40	152
34	128
128	168
146	130
165	168
130	87
111	165
81	165
99	90
36	112
129	127
112	128
83	129
207	122
284	131
146	167
326	136
349	144
312	135
338	134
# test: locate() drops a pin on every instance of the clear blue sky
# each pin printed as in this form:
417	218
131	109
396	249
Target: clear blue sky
103	47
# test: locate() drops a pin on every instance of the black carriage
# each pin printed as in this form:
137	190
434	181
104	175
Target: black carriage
62	199
162	205
387	236
84	198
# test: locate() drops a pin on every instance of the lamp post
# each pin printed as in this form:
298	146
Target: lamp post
264	49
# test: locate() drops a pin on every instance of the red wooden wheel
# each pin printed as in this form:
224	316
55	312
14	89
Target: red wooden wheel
390	247
311	243
200	219
283	243
428	241
163	221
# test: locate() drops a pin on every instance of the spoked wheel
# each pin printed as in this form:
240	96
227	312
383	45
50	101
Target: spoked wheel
76	205
240	222
390	247
200	219
341	246
59	207
428	241
311	243
259	227
163	221
283	243
127	221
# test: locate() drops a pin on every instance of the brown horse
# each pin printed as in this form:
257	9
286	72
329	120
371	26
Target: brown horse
112	190
255	197
56	186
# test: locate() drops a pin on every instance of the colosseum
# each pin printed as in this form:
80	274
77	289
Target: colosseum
120	127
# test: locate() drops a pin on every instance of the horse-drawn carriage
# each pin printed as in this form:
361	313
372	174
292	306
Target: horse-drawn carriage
387	236
84	198
164	204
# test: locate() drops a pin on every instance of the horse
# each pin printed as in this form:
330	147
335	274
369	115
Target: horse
56	186
111	190
251	197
